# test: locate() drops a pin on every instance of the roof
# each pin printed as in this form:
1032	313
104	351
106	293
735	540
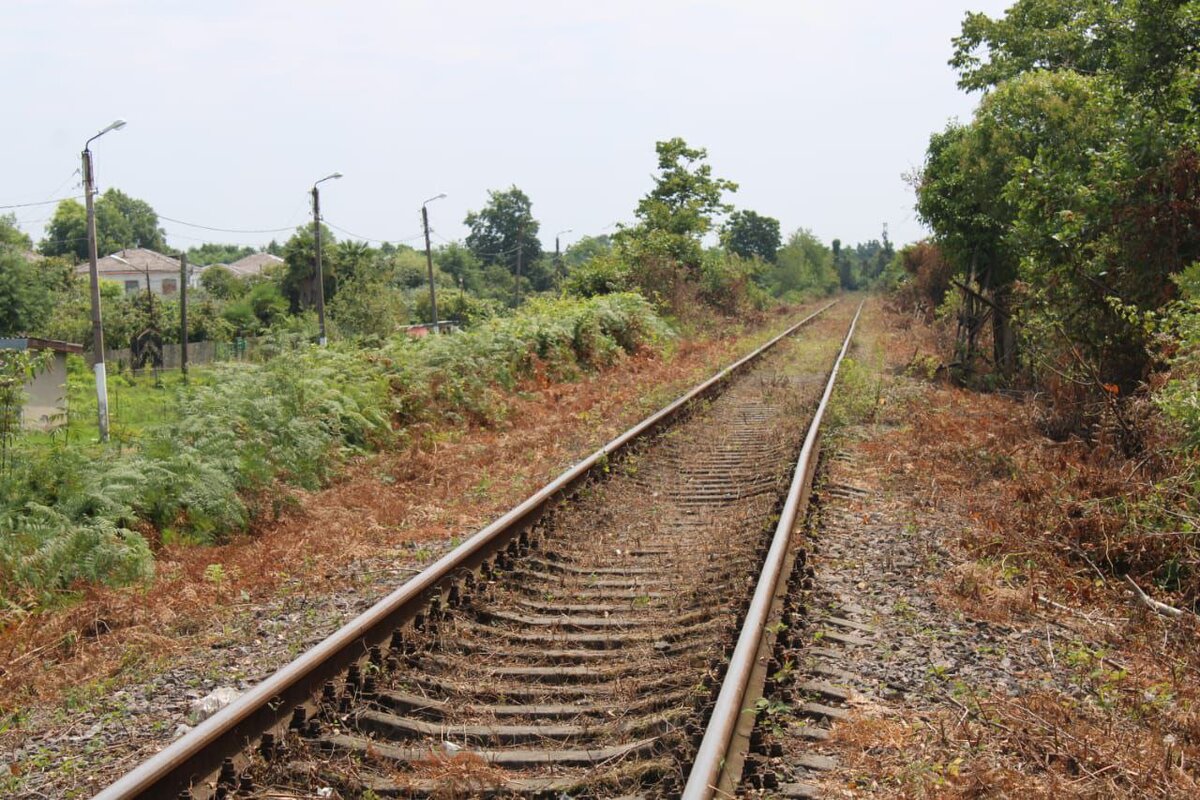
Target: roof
253	264
33	343
134	259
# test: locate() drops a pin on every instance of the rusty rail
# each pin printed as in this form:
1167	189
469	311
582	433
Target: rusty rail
715	763
193	762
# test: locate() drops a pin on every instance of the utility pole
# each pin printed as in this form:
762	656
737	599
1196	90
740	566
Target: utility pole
520	252
183	331
558	265
316	198
437	323
89	191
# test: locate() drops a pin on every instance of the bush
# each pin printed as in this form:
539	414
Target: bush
77	514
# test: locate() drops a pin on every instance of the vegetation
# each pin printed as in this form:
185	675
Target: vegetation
1065	250
79	512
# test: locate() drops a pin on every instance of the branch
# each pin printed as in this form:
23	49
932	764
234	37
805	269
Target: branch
1152	604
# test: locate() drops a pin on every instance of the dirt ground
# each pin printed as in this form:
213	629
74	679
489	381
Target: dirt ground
991	662
89	690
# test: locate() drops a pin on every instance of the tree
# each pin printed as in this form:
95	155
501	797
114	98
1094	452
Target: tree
121	222
804	264
587	248
25	301
66	234
12	236
212	253
502	228
750	235
685	199
299	280
221	283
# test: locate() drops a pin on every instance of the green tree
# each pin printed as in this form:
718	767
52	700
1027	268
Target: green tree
66	233
121	222
221	283
299	279
750	235
212	253
12	236
25	300
502	228
684	201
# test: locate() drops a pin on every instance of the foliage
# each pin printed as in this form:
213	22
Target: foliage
121	222
12	237
213	253
79	512
222	284
299	280
926	278
25	299
750	235
803	265
505	229
603	273
683	203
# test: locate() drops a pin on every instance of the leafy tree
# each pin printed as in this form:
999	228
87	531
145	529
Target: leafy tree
751	235
25	300
299	279
221	283
587	248
803	265
460	264
121	222
685	199
66	233
502	228
11	235
211	253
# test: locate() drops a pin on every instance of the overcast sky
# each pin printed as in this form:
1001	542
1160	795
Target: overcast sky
234	108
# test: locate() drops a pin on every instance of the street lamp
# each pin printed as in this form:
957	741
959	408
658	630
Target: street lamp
558	265
316	196
437	324
89	191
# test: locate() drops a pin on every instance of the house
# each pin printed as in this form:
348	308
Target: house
47	392
253	265
136	265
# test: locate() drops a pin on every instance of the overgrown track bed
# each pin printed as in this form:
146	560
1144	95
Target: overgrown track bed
580	653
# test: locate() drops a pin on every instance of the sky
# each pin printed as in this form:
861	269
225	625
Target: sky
815	108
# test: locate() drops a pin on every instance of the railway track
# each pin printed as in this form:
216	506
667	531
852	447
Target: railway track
601	639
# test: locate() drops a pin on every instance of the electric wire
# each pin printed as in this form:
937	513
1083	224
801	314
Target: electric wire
225	230
371	238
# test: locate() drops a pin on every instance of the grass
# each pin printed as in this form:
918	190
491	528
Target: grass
202	462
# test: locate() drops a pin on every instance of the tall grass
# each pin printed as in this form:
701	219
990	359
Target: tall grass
77	513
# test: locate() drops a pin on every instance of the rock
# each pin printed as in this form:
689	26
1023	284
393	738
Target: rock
181	730
211	703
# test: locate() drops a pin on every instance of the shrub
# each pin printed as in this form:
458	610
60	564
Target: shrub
75	512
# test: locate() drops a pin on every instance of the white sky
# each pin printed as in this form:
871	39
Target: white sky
235	108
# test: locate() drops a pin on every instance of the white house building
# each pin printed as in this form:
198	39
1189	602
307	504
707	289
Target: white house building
134	266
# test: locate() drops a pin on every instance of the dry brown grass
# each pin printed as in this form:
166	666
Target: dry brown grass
1043	541
450	482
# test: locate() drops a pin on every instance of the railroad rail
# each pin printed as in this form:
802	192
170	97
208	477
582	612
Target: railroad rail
572	646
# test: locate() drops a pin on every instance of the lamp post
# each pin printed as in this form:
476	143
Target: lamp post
558	266
437	325
89	191
316	198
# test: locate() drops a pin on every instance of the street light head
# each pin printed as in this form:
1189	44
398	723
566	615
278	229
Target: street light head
336	175
435	197
115	125
332	177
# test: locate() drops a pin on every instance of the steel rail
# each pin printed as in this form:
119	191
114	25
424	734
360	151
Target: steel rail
196	758
712	757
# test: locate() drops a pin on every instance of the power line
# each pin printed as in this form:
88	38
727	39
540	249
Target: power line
42	203
226	230
370	238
